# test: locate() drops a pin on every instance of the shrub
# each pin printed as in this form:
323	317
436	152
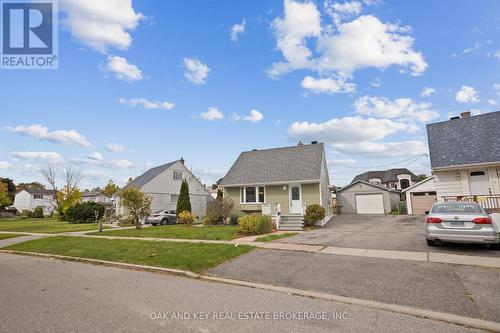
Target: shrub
184	201
185	217
314	213
255	224
233	219
84	212
26	214
218	211
37	213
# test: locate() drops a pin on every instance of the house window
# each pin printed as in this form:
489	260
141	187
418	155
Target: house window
405	183
174	198
37	196
252	194
477	173
177	175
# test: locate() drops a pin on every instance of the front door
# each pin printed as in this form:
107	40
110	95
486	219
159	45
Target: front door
479	182
295	200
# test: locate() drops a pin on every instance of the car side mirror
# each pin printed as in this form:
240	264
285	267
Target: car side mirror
489	212
426	212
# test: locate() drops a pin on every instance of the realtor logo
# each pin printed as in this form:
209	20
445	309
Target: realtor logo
29	34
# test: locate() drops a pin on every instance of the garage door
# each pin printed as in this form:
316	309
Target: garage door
422	202
369	204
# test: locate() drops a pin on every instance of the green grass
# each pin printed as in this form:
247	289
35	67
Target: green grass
194	257
270	238
48	226
177	231
7	236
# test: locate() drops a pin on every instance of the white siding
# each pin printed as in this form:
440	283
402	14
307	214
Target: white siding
427	186
25	201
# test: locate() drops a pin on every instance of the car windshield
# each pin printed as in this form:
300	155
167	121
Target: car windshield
461	208
159	211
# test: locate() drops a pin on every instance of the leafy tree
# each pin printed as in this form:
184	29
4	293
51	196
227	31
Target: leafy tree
421	176
137	203
31	186
110	188
184	202
67	198
218	211
37	213
4	195
85	212
11	187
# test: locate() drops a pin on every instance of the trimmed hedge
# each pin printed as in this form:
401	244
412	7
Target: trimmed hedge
84	212
185	217
255	224
314	213
37	213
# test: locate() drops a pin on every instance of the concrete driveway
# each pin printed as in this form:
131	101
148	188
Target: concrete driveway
381	232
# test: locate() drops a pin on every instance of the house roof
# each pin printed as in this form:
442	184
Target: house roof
370	184
34	191
419	183
465	141
93	193
390	175
297	163
148	176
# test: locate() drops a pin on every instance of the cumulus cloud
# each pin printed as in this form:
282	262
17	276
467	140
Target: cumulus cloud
254	116
96	156
237	30
5	165
383	149
115	148
428	91
341	163
327	85
401	108
467	94
101	24
363	42
195	71
38	155
120	68
149	105
40	132
108	164
212	114
342	11
492	102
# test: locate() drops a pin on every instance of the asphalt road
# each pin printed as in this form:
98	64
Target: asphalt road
468	291
42	295
382	232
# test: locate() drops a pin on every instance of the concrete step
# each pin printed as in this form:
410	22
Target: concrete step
290	228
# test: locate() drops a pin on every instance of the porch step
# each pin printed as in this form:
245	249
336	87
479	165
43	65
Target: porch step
292	222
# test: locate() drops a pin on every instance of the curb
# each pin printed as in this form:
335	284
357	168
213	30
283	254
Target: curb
420	313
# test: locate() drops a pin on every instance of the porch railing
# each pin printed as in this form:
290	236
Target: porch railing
489	201
273	210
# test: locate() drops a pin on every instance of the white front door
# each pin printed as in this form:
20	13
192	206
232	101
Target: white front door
479	182
295	199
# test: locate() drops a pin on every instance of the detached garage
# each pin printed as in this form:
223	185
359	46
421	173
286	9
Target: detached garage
362	197
421	196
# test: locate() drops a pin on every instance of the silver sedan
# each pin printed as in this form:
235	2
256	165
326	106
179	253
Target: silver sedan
460	222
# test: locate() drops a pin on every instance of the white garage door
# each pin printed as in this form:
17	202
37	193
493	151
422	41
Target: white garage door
369	204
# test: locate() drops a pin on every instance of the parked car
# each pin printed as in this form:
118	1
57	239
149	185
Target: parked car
162	217
460	222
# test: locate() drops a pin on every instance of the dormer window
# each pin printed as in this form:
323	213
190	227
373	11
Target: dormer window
404	183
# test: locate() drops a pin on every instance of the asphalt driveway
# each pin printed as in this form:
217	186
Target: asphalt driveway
381	232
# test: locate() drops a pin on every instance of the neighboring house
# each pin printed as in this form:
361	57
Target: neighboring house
465	158
29	199
163	184
362	197
96	196
421	196
397	179
283	180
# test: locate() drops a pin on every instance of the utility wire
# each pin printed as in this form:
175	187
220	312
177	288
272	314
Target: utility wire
413	159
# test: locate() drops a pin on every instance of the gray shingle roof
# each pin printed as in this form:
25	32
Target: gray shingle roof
465	141
147	176
37	191
390	175
92	193
297	163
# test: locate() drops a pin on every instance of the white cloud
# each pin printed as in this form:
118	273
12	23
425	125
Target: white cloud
37	155
254	116
496	87
122	69
149	105
212	114
101	24
195	71
5	165
328	85
341	163
376	82
467	95
492	102
96	156
115	148
346	130
237	30
117	164
342	11
401	108
383	149
361	43
40	132
428	91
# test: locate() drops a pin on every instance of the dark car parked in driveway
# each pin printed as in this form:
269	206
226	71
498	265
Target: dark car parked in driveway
162	217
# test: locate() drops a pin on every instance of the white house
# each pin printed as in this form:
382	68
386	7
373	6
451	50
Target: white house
96	196
29	199
163	183
465	158
421	196
397	179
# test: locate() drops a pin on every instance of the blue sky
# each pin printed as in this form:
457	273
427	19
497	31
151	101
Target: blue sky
143	83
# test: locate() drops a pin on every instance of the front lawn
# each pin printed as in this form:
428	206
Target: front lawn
270	238
46	226
178	231
194	257
7	236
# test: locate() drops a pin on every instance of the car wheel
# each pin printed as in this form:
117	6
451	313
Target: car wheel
495	246
153	224
164	222
431	242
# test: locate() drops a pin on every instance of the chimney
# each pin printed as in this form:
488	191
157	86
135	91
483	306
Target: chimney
300	143
454	118
182	160
314	142
465	114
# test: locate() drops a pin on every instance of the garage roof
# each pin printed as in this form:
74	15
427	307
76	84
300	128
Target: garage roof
370	184
418	184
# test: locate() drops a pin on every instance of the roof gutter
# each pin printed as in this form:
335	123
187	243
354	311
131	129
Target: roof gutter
461	166
273	183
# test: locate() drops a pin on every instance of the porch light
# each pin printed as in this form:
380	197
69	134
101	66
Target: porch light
284	187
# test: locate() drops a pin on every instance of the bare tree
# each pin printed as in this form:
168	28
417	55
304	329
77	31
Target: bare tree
69	193
49	174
